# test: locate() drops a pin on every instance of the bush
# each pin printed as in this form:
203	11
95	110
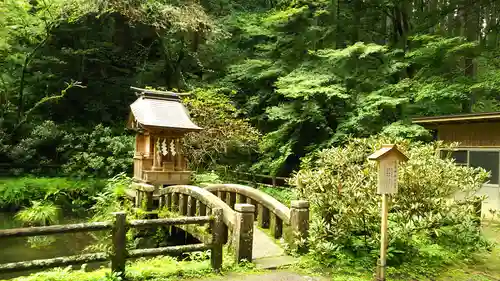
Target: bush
73	195
283	194
225	138
39	146
40	214
424	224
112	198
206	177
99	153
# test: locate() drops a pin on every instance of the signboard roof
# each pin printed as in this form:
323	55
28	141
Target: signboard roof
386	150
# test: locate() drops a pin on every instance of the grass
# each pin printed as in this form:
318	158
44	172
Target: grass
154	269
282	194
485	266
158	269
16	193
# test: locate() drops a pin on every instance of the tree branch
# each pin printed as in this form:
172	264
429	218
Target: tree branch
47	99
27	60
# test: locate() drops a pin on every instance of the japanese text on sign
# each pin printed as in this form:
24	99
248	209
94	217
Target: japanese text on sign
388	177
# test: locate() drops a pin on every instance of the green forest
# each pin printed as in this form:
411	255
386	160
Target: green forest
302	89
280	79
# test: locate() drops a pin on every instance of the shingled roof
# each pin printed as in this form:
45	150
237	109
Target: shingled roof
161	110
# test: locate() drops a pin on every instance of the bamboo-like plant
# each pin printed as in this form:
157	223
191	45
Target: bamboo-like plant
39	214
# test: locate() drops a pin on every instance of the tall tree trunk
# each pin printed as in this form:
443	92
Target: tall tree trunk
491	30
441	18
22	83
401	23
339	42
357	20
383	28
451	26
335	10
433	13
470	30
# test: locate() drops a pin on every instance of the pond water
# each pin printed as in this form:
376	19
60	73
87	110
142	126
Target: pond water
20	249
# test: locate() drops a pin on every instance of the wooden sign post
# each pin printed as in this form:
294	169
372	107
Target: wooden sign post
388	158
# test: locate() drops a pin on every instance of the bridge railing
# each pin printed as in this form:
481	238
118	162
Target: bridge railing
253	179
269	212
119	253
235	201
192	200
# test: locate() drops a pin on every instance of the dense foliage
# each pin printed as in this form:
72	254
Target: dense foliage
425	225
271	83
306	74
108	46
314	72
71	195
225	139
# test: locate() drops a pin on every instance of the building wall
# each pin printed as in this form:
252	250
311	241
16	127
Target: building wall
485	134
476	135
492	201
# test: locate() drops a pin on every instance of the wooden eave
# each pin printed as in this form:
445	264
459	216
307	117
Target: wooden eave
459	118
167	132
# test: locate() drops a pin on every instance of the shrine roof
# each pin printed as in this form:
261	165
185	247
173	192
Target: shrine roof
162	110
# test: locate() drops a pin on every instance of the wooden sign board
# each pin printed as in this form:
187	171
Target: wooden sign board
388	176
388	158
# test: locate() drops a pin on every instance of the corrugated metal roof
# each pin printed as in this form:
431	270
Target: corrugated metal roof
162	112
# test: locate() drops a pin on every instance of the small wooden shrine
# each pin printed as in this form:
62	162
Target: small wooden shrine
161	121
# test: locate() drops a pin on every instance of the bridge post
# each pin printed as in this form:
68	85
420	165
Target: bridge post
119	255
183	204
231	200
299	222
138	202
217	227
243	232
202	208
276	226
191	209
263	216
175	202
168	201
149	200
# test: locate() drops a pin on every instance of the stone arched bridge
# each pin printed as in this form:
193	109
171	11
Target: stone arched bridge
246	211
